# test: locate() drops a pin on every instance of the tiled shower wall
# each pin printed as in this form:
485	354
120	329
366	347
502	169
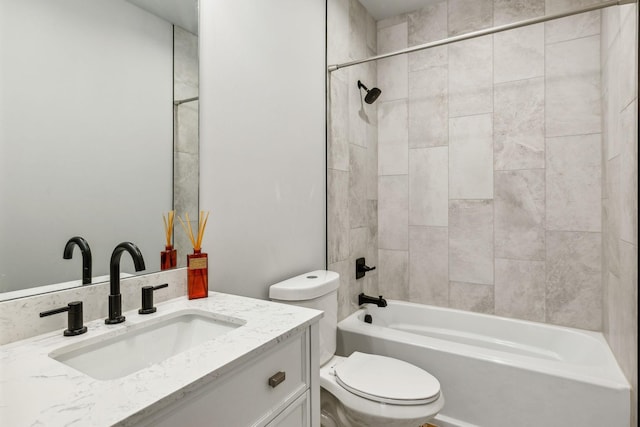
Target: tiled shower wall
619	59
186	139
352	155
490	162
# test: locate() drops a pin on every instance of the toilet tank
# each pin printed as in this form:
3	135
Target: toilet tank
318	290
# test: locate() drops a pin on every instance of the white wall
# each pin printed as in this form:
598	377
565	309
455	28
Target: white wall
85	135
262	129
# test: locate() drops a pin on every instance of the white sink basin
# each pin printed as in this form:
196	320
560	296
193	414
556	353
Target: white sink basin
143	344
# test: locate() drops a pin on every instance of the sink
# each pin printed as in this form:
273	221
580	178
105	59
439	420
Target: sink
144	344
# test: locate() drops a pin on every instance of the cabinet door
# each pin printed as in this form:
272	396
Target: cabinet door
295	415
245	396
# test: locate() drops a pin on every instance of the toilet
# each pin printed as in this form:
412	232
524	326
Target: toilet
361	389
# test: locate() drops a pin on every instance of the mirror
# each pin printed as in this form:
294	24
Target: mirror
98	134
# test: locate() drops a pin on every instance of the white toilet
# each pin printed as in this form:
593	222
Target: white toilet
362	389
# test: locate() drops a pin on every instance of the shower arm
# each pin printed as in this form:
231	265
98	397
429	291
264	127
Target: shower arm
484	32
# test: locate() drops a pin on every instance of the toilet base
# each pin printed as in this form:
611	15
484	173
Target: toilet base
335	414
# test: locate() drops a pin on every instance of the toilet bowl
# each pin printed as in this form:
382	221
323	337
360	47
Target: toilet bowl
361	389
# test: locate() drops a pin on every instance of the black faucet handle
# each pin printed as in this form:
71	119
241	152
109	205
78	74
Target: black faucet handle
75	324
147	298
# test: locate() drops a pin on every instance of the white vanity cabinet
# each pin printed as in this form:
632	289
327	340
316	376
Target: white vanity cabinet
253	393
264	372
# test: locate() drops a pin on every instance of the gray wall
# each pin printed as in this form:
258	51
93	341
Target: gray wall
620	188
489	162
262	140
352	163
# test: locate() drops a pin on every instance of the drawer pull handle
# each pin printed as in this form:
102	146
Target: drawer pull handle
276	379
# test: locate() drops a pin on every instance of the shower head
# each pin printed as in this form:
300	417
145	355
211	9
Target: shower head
372	94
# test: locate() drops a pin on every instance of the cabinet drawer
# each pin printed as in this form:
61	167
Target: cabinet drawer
243	397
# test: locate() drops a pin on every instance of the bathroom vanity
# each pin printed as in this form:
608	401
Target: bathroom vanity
224	360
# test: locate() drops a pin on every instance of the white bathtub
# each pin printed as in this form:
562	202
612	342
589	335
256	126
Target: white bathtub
498	372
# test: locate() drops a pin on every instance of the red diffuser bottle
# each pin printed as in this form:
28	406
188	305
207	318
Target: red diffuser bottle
197	274
198	261
168	257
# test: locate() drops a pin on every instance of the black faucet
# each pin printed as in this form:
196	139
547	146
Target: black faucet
366	299
115	298
86	256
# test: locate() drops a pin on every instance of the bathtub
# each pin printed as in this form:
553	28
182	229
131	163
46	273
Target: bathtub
495	371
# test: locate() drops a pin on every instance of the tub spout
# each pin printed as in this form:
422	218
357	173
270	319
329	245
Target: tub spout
366	299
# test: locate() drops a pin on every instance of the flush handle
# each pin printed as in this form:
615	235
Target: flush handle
276	379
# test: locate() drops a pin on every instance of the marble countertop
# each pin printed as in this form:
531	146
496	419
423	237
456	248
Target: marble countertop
38	390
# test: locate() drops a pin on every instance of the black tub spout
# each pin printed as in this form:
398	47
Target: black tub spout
366	299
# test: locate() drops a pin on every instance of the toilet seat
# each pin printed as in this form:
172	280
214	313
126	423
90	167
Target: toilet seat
386	380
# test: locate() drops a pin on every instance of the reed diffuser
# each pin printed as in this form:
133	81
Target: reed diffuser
168	257
198	262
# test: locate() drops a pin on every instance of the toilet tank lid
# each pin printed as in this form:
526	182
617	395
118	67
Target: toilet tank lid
305	286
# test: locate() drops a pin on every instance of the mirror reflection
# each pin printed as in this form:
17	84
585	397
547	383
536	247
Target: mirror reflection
99	128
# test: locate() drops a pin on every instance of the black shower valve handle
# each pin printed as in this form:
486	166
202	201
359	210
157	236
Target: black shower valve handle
362	268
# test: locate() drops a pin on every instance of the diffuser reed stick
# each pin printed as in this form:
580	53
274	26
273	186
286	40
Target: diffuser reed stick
196	241
168	226
168	257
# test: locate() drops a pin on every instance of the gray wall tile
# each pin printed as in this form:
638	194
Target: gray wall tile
393	138
628	66
471	77
392	72
428	108
572	27
469	15
393	212
358	30
428	186
471	297
338	31
337	215
520	289
428	265
629	174
572	102
519	214
357	186
338	152
471	157
345	305
611	205
471	241
427	25
573	183
573	291
509	11
518	54
393	274
518	123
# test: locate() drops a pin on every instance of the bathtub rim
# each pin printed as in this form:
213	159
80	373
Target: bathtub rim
612	376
